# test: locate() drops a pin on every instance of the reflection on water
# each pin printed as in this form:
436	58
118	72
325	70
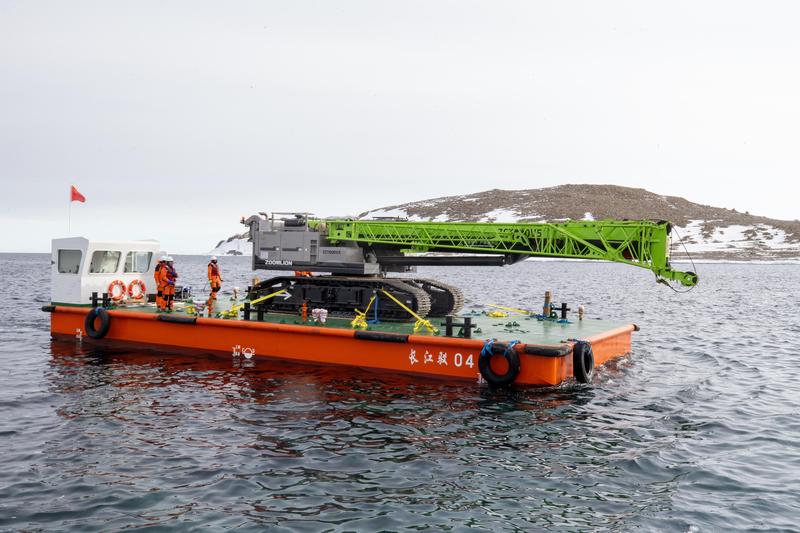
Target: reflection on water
697	428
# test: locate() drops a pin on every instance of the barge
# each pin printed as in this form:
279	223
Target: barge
526	351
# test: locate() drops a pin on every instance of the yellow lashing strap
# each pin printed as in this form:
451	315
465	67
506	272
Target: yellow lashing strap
420	323
234	311
360	321
512	309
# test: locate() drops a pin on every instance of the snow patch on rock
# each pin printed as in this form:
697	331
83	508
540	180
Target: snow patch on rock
402	213
236	245
757	239
501	215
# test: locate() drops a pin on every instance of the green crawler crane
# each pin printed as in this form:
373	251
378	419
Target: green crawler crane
359	253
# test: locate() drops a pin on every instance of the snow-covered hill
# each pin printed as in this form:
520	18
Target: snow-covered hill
234	245
707	232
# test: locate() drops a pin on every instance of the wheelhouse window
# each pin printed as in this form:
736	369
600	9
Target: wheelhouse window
138	261
104	262
69	261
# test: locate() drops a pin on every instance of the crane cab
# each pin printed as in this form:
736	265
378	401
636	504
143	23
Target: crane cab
287	241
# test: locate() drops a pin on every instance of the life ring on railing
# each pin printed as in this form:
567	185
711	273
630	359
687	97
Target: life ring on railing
122	290
582	362
485	364
141	293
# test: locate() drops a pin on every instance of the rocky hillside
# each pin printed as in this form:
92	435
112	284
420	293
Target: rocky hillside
708	232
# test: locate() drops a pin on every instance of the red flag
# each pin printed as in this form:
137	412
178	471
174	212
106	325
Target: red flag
75	196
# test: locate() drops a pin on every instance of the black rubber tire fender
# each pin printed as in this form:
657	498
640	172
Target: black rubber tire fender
105	323
582	362
484	365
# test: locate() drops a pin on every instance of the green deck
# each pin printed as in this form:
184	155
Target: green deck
520	327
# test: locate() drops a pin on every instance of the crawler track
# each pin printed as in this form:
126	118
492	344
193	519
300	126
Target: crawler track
445	299
341	295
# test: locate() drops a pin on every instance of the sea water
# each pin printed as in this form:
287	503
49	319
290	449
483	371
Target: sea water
697	430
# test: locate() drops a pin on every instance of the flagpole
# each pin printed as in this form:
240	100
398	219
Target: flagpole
69	226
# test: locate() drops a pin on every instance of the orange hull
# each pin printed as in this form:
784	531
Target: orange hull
443	357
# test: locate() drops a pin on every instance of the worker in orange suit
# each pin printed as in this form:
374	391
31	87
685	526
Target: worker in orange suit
170	276
160	283
215	281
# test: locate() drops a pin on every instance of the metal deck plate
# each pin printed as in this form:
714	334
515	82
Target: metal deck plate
514	327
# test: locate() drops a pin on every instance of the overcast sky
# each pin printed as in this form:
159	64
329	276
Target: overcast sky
177	118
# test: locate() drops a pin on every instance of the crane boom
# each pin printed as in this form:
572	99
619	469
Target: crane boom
633	242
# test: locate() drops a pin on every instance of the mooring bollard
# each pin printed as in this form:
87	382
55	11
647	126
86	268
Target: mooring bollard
466	326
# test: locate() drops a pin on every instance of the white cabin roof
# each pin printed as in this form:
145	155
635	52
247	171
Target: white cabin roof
83	243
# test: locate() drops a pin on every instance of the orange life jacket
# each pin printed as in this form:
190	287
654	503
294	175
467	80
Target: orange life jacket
158	272
213	272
